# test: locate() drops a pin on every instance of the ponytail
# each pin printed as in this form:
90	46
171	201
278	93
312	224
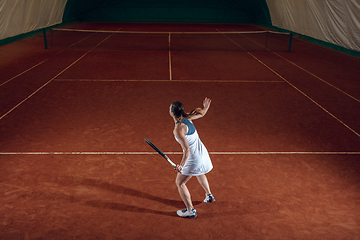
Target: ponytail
196	111
178	109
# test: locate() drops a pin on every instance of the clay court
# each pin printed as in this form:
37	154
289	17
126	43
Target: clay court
283	133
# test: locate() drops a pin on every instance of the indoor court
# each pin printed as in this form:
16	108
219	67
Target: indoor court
283	133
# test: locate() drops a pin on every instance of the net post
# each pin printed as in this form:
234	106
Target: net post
290	42
45	40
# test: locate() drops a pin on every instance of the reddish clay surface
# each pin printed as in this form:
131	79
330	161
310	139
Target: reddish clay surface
282	131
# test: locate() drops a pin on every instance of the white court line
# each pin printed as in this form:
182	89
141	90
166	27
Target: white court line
40	88
331	85
179	153
137	32
1	117
36	65
312	100
305	95
170	69
23	72
165	80
297	89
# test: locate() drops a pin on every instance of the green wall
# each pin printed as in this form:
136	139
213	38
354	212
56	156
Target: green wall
211	11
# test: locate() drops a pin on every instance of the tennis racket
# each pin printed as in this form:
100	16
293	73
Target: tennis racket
160	152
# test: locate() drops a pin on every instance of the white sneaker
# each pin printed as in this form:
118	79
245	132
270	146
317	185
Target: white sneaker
209	198
186	213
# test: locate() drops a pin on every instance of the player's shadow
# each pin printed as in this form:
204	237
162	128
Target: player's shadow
125	207
130	192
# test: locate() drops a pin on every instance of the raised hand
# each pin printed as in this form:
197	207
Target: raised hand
206	103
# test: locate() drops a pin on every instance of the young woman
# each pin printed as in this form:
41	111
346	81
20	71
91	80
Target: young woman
195	160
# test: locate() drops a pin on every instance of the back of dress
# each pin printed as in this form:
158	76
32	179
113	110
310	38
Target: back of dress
199	162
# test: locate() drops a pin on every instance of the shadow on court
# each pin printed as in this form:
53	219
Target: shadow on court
122	190
132	192
127	208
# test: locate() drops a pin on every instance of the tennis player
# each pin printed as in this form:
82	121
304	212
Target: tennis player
195	160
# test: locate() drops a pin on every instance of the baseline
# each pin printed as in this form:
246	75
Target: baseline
179	153
159	80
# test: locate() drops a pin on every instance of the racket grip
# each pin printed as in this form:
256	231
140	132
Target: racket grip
171	162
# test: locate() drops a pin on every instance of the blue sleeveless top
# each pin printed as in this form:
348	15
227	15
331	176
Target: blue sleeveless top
190	125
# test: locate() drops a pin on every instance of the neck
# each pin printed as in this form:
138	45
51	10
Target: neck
176	119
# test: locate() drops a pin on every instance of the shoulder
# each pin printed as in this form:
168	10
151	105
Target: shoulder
180	129
187	120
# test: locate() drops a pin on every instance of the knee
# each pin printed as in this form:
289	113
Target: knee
181	180
179	183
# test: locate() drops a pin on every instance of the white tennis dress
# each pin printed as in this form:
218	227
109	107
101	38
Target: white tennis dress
199	162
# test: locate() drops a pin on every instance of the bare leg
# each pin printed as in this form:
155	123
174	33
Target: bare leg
202	179
181	181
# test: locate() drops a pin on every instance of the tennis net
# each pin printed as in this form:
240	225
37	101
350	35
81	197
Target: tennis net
174	41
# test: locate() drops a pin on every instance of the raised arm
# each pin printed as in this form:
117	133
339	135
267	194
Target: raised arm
206	106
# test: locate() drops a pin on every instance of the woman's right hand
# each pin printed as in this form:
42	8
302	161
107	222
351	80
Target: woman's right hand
206	103
179	168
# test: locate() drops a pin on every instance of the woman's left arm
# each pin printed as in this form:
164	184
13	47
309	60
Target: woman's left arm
206	106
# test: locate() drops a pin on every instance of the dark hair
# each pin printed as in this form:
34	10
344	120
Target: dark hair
178	109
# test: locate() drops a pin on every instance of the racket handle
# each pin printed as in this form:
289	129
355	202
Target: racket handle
161	153
171	162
